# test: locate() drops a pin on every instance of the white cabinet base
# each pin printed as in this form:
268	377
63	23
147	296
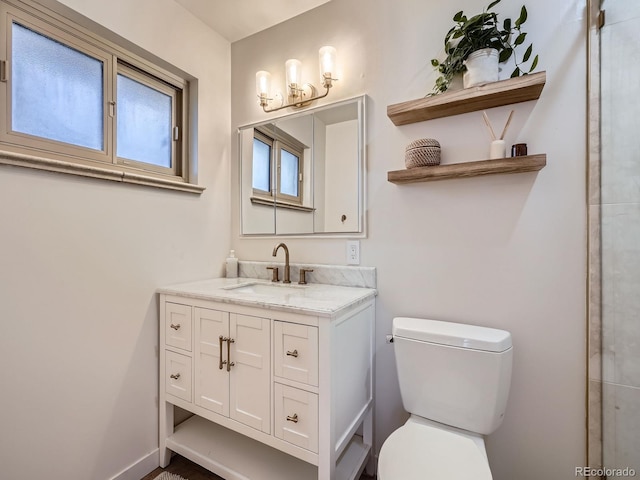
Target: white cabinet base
197	438
301	382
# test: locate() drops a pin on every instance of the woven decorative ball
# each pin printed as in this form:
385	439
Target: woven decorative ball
421	153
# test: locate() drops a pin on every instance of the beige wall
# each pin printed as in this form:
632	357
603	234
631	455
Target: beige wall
80	260
502	251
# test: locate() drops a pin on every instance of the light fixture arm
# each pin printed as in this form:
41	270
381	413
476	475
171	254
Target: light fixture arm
297	97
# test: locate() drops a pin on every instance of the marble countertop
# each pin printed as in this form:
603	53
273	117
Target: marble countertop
313	298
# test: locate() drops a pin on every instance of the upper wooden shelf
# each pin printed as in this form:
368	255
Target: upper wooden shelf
496	94
529	163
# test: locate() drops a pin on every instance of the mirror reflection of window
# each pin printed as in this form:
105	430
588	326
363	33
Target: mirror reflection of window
261	164
289	173
273	147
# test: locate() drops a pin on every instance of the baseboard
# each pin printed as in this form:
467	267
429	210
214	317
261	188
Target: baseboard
142	467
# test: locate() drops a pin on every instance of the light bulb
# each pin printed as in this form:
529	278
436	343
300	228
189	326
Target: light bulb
263	81
327	61
293	68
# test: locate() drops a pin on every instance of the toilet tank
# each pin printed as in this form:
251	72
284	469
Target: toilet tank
453	373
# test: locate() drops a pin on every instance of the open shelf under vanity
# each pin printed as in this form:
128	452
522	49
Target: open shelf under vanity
244	457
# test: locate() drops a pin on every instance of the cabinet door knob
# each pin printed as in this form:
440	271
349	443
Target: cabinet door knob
293	354
175	376
293	419
175	327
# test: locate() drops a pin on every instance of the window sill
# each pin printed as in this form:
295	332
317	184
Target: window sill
39	163
280	204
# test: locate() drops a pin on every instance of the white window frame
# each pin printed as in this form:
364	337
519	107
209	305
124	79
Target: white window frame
30	151
267	140
280	140
177	165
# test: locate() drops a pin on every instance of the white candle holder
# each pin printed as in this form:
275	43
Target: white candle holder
497	150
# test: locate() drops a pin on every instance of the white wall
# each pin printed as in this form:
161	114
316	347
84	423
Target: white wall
80	260
502	251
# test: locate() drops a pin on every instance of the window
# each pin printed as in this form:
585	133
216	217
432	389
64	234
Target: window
73	102
289	174
277	167
262	159
56	91
145	122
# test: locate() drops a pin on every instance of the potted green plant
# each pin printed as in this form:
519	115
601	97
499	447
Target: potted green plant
475	34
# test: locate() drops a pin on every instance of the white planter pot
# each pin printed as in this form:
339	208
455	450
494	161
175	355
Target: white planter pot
482	67
457	83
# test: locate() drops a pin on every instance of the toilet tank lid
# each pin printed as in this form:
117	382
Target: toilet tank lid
452	334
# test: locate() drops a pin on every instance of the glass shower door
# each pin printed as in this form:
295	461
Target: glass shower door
620	230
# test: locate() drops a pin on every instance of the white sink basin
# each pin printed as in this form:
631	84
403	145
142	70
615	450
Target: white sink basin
267	289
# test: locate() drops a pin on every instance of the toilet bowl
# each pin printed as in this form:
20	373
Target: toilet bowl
454	381
423	450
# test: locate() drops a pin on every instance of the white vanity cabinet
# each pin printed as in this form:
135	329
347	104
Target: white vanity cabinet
279	392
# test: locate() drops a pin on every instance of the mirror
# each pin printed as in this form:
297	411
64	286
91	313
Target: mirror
303	173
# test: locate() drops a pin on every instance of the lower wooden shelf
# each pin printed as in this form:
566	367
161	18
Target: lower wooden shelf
528	163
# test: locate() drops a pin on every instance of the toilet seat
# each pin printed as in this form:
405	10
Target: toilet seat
420	450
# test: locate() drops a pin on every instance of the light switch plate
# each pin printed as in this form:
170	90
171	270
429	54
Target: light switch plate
353	252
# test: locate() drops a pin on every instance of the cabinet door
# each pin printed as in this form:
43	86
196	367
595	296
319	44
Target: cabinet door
250	376
211	382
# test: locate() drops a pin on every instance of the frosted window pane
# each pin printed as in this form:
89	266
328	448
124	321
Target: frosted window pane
144	123
261	166
288	173
56	90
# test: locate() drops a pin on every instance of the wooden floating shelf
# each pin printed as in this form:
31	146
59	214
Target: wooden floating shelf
529	163
496	94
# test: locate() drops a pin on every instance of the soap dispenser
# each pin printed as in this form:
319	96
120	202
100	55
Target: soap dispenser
232	265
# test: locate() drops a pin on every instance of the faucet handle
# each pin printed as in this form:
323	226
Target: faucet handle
274	276
303	275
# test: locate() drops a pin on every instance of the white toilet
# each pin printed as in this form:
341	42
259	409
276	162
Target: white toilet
454	380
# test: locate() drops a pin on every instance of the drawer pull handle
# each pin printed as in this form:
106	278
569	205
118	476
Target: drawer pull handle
175	376
293	354
175	327
293	419
229	362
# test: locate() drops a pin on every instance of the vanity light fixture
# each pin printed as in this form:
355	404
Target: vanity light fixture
298	94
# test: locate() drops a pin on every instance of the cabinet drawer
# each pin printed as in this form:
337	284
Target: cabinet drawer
178	375
296	352
296	416
177	328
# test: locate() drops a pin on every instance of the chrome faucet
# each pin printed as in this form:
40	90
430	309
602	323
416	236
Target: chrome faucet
286	261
